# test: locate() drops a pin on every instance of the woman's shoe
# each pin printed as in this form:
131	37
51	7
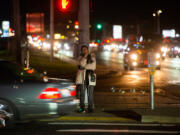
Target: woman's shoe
81	110
90	110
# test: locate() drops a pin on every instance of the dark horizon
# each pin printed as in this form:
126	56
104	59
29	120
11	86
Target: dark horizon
113	12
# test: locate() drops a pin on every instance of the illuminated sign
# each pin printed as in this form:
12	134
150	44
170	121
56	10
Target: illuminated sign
169	33
5	28
5	25
117	31
35	23
57	36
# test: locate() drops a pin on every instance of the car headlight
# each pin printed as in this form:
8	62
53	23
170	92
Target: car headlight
134	56
164	49
158	56
157	63
57	45
134	64
66	46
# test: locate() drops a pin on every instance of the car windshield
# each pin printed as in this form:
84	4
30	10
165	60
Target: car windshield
142	47
137	46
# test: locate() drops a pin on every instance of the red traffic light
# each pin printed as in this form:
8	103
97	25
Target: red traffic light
76	23
64	5
76	26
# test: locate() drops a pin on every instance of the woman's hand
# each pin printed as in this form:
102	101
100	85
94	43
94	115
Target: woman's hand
85	55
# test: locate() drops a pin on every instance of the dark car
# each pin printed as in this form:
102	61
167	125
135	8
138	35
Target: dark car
26	94
137	56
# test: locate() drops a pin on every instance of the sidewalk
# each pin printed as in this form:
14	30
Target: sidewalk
161	116
98	115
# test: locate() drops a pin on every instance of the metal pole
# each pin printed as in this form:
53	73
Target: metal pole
84	35
28	57
17	27
52	30
83	18
158	24
152	91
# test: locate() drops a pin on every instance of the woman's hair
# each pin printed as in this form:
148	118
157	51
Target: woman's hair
84	46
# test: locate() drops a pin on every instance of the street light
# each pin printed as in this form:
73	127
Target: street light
157	14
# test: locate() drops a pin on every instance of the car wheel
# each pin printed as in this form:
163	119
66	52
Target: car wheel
125	67
132	68
7	114
158	68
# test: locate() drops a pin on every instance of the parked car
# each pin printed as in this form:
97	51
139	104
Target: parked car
27	94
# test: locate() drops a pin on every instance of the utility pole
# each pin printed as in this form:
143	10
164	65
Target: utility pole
83	18
158	24
52	30
157	14
17	27
83	29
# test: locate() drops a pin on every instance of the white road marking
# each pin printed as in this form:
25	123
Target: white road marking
117	131
111	124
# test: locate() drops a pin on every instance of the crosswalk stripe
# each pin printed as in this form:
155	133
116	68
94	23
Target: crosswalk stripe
117	131
111	124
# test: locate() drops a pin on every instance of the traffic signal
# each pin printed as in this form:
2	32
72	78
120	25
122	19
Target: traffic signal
98	41
76	25
64	5
99	26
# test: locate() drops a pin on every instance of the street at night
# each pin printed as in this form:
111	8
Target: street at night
114	80
89	67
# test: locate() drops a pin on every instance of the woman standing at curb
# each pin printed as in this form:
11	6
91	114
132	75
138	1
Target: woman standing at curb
86	78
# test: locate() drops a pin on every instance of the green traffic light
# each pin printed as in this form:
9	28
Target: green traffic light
99	26
99	41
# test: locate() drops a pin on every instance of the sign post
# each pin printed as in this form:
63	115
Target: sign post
152	68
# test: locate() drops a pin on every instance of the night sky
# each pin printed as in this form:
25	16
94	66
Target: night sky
111	11
131	11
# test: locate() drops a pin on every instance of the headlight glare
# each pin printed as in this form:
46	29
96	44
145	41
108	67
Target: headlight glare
134	56
158	56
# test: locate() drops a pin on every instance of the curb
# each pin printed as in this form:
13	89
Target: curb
160	119
95	118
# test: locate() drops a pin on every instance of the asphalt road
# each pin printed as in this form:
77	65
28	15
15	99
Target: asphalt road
132	88
139	78
90	128
166	80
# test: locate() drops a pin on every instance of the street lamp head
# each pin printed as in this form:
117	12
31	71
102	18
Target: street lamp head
159	12
154	14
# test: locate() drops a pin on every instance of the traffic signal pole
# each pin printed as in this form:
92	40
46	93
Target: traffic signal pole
84	35
83	18
52	30
17	27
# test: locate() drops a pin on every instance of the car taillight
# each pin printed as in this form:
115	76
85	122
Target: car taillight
145	62
50	93
73	90
73	93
